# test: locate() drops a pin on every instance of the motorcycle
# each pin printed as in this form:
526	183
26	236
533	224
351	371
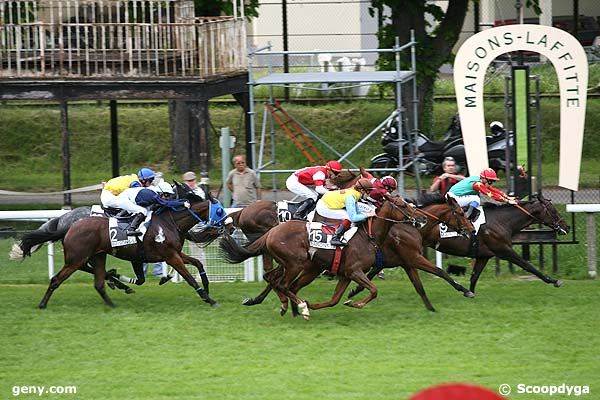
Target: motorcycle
430	154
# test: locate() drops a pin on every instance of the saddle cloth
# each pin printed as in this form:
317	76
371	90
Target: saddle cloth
319	235
446	232
117	227
285	210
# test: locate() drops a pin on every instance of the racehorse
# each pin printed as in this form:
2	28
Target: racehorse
495	237
259	217
57	228
87	241
403	246
288	244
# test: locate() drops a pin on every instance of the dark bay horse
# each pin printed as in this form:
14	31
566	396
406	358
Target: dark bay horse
495	237
87	241
56	229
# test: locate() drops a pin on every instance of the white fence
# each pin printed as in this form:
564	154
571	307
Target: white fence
217	269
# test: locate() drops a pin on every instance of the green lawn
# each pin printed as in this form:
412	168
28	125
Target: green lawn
163	342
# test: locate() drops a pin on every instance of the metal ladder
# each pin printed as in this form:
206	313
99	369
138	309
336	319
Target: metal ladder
295	133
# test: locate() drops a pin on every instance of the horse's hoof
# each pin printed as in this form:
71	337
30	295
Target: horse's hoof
42	306
306	317
164	280
351	294
558	283
248	301
469	294
348	303
111	285
213	303
303	307
282	310
129	290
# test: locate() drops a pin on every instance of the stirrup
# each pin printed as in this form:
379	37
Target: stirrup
337	242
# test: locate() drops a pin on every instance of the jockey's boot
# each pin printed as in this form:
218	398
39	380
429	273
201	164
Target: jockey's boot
303	209
336	240
472	213
135	223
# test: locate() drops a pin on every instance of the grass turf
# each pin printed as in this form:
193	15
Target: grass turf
163	342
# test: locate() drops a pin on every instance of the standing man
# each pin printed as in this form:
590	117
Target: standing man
243	183
445	181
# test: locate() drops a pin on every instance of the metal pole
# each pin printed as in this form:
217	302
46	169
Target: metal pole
64	124
224	142
399	120
519	8
413	61
114	138
286	57
250	141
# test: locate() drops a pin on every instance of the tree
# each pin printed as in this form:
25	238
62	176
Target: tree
434	43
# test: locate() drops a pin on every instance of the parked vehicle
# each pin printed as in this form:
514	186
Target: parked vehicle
430	154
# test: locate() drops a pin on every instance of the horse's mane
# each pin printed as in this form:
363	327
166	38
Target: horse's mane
426	199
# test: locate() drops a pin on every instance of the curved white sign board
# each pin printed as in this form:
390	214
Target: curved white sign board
570	63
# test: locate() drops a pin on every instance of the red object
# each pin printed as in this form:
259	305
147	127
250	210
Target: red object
489	173
390	182
335	166
457	391
312	175
337	257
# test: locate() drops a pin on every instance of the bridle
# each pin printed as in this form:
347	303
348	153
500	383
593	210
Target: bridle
554	225
409	216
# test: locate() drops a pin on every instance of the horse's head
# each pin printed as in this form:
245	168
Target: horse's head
457	219
396	209
344	179
547	214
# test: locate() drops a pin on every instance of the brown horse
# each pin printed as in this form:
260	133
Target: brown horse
403	247
495	237
87	241
259	217
288	244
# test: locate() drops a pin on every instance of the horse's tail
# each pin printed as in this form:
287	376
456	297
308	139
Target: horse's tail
33	241
234	253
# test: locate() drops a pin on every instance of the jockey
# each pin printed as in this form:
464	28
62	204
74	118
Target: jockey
382	187
299	181
114	187
342	204
139	199
466	192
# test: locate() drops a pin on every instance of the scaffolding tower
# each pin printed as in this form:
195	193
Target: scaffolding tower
345	79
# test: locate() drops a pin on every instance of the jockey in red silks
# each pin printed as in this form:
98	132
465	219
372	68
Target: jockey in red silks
381	187
466	192
299	182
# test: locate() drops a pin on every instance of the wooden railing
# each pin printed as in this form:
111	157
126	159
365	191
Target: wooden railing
116	40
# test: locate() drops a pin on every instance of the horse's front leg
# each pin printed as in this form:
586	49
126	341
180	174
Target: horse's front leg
358	276
198	264
177	263
340	288
478	267
138	269
508	254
